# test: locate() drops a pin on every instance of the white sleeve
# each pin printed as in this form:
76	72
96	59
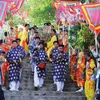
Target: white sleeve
95	54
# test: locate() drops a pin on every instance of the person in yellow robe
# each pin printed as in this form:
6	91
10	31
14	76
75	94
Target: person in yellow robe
23	35
50	45
90	79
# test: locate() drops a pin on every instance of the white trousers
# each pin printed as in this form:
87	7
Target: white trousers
32	66
14	85
38	82
54	79
60	86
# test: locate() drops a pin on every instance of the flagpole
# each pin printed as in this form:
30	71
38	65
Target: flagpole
69	43
96	43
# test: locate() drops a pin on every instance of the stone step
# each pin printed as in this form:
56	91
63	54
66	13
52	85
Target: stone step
46	81
48	91
27	71
69	85
41	93
44	98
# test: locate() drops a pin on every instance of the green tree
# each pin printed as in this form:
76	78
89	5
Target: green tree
73	34
81	36
85	38
40	11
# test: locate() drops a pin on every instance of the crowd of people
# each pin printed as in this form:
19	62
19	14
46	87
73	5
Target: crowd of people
25	40
85	71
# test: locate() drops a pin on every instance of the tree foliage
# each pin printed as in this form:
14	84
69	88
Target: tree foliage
85	38
73	34
81	36
40	11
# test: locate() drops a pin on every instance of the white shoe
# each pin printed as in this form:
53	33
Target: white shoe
60	91
40	86
54	83
12	90
80	90
16	89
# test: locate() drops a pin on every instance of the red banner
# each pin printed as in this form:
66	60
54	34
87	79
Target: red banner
91	13
12	6
16	5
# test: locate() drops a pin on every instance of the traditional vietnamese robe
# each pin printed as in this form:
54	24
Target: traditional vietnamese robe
53	53
14	68
23	35
90	80
60	69
50	45
39	74
21	51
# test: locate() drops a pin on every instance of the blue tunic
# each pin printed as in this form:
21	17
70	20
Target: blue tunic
32	49
60	66
14	68
42	57
21	51
53	53
34	45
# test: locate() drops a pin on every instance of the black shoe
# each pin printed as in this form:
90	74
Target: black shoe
2	94
36	88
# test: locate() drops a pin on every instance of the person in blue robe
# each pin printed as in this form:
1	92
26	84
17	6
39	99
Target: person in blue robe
33	47
60	63
39	57
22	55
20	49
53	53
14	60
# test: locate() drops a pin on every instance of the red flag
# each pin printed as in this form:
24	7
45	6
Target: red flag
72	10
91	13
15	5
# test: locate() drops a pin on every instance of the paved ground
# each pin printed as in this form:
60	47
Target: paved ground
48	92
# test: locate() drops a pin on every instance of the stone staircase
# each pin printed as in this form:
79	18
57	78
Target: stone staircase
47	92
